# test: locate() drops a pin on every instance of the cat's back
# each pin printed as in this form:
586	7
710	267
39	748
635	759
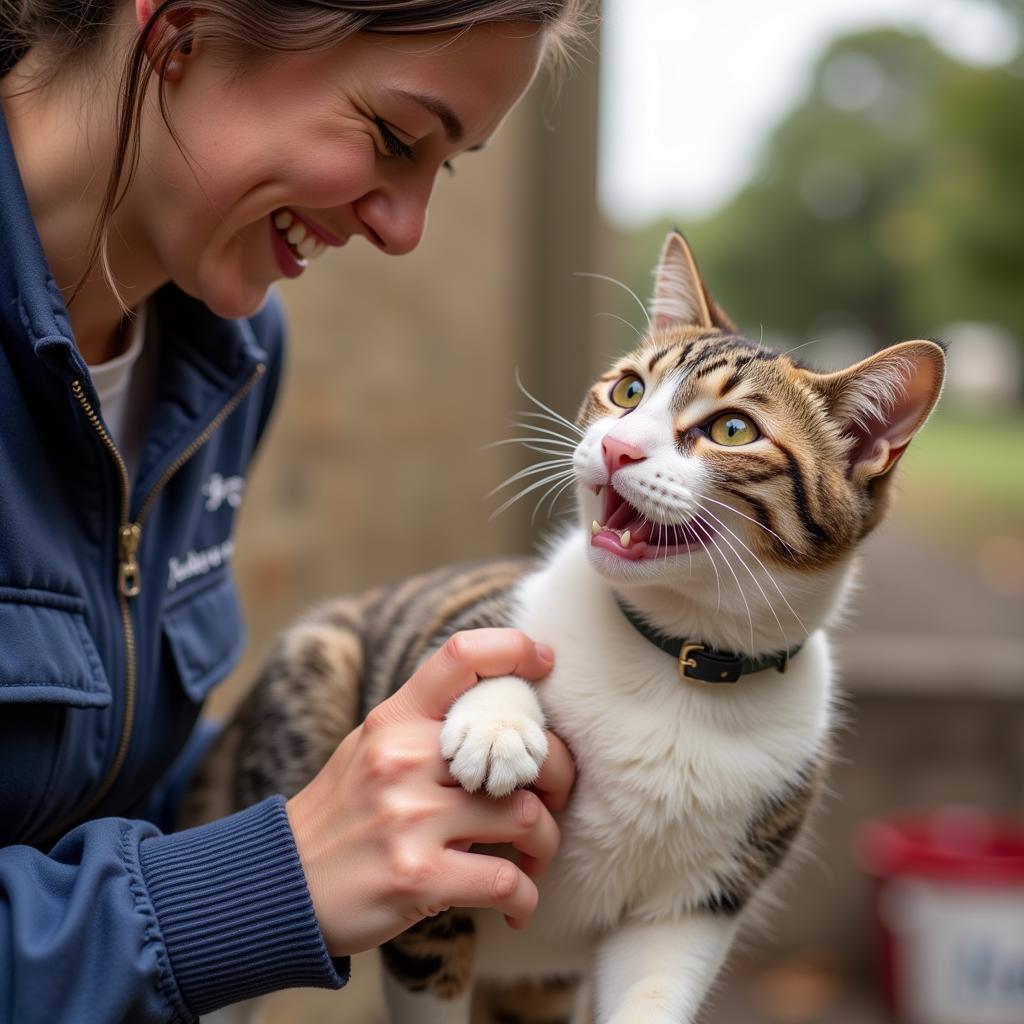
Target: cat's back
403	624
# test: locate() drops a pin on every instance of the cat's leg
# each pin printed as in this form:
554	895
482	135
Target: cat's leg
493	736
428	971
549	1001
659	973
406	1007
304	703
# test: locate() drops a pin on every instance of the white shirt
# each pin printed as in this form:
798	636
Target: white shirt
126	386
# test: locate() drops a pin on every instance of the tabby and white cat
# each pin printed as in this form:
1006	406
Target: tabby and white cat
723	489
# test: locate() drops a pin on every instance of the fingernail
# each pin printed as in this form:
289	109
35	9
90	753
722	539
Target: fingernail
545	653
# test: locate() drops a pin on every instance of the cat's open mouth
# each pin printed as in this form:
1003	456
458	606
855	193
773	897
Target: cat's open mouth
628	533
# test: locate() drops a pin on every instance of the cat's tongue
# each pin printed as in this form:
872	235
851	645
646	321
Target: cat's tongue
631	535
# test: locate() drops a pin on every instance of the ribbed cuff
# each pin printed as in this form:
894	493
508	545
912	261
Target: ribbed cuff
234	909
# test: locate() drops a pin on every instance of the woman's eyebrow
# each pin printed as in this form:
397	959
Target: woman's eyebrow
453	129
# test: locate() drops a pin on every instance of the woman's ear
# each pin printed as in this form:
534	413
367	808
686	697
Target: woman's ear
165	53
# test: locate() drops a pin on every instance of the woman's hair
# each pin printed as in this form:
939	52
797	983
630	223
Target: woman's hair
71	30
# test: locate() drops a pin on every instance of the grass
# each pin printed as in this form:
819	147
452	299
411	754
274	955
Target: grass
963	477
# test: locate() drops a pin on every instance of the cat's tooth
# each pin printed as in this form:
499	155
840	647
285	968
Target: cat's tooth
624	538
306	247
318	249
296	233
595	528
283	220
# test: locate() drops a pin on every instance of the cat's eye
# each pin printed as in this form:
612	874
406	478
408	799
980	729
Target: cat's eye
628	391
733	429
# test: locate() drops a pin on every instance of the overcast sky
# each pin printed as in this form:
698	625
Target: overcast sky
691	87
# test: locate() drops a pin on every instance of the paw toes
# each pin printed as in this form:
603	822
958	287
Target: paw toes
511	764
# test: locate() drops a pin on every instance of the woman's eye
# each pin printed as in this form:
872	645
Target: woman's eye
392	143
628	392
733	429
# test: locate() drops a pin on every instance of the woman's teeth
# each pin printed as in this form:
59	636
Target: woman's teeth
303	243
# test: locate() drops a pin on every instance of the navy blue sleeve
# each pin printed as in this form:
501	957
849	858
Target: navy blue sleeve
120	922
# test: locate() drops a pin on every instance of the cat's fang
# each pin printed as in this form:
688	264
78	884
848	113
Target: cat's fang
595	528
625	538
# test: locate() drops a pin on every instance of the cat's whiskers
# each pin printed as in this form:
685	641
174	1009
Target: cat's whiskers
540	405
551	419
739	587
538	467
764	568
544	430
795	348
555	477
623	320
695	523
761	526
528	444
625	287
750	572
557	495
528	441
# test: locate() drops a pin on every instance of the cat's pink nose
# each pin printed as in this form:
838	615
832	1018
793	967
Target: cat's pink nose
620	453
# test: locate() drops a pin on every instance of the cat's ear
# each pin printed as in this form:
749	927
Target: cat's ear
883	401
680	297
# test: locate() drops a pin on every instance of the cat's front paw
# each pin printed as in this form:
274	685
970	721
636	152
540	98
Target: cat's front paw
493	736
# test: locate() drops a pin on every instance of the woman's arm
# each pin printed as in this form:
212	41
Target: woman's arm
120	922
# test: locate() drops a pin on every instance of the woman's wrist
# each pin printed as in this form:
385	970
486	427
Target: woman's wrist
234	910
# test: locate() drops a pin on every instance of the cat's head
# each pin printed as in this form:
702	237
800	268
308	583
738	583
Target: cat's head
707	458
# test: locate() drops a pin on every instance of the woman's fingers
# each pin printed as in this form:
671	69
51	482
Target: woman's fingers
557	775
464	659
520	819
477	880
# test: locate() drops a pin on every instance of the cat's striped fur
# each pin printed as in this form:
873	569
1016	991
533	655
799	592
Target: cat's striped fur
688	796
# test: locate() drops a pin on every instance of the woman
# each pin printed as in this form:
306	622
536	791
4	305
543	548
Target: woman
144	218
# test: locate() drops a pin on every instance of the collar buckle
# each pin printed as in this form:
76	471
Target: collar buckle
686	661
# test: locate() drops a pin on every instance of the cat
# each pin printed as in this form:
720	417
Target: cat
723	489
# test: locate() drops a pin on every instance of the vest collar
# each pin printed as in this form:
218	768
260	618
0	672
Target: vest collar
31	304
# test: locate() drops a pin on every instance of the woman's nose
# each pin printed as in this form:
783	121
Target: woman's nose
395	217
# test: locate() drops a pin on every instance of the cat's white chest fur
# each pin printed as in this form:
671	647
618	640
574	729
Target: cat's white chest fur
669	772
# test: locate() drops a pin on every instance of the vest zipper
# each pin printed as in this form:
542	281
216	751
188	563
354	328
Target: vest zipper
129	576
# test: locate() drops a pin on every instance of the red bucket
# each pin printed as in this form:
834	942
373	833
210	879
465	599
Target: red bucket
949	902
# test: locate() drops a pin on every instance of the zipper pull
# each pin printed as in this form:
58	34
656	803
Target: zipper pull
129	580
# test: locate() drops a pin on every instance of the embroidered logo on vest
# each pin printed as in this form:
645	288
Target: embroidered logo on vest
198	563
218	490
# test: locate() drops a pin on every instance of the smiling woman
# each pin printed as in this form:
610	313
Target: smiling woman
161	165
346	109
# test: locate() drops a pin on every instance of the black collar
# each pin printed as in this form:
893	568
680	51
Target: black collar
699	661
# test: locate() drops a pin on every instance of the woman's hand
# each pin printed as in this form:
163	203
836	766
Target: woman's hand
383	831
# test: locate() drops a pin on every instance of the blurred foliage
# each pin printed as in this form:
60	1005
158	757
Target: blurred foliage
889	201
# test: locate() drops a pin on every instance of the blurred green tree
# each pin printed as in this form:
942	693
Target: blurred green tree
889	199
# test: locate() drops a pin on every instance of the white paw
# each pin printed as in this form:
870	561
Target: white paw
493	736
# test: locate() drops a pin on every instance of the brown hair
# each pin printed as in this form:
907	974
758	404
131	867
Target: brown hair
259	28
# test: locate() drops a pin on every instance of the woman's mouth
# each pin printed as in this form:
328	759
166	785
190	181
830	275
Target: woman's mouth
295	242
629	534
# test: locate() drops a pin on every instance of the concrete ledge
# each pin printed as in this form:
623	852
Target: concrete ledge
931	665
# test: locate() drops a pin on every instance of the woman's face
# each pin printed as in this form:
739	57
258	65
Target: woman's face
324	146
